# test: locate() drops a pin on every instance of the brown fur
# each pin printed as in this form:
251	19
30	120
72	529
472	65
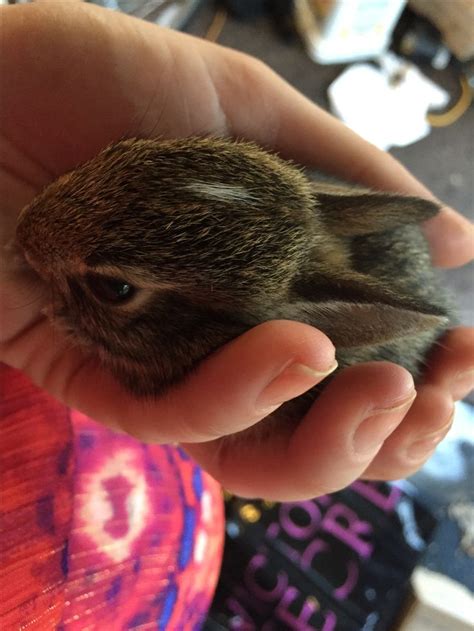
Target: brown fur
218	236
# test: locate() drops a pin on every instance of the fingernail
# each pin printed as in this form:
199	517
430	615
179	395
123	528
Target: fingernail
462	384
457	232
421	449
294	380
375	428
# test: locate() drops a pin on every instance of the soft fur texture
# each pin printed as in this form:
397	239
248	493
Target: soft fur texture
217	236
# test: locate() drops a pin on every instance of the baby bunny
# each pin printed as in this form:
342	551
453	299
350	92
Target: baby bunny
159	252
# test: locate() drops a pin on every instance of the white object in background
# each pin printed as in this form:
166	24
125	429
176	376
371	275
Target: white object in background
352	30
439	604
386	106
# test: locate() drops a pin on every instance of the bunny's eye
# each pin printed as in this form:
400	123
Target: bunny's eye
110	290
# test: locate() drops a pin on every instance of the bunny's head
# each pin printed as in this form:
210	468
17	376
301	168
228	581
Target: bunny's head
158	252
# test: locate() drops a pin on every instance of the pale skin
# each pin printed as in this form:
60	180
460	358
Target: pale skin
75	78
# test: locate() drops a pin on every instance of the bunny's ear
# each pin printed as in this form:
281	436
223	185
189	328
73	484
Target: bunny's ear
352	212
349	286
354	310
351	325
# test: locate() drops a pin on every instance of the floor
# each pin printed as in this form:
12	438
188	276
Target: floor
444	160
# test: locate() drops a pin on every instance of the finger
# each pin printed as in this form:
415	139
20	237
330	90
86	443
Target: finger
236	387
330	448
451	364
414	441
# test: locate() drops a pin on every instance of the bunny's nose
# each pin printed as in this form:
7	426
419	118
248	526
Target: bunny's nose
45	255
29	247
32	262
37	261
29	258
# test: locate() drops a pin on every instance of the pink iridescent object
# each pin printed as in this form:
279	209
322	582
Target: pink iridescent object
98	529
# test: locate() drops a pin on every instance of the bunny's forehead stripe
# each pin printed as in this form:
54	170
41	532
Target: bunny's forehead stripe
221	192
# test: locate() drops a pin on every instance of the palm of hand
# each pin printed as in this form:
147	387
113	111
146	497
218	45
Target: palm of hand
67	102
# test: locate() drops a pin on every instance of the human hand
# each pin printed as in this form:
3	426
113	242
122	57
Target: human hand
81	77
